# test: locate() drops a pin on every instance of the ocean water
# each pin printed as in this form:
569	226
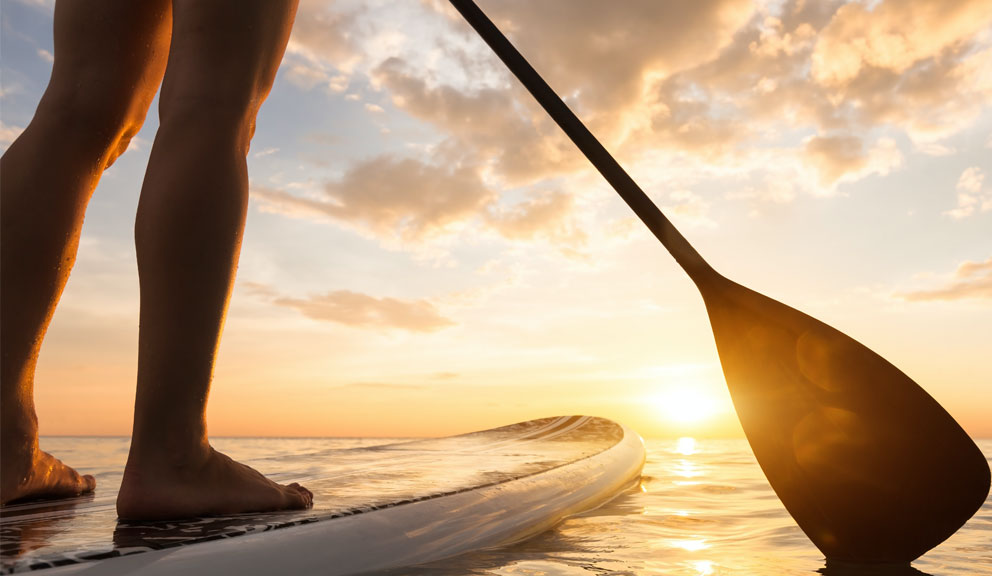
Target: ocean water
703	508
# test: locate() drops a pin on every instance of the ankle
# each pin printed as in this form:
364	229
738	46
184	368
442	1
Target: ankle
167	455
20	430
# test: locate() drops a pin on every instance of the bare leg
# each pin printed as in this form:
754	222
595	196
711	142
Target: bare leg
109	59
191	215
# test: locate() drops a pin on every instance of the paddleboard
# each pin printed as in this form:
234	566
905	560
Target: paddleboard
375	507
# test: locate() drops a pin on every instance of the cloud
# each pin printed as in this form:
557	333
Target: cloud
265	152
388	386
9	133
838	158
972	196
691	207
767	84
363	311
321	30
541	215
973	280
308	76
322	50
486	123
48	5
604	61
971	180
893	36
935	149
773	40
761	79
911	64
138	143
405	197
726	81
407	203
835	156
391	198
685	118
609	56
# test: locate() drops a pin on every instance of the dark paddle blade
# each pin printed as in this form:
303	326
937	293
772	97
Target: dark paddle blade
871	467
868	464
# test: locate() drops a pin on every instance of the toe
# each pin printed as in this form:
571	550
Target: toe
304	495
292	500
296	486
71	483
301	488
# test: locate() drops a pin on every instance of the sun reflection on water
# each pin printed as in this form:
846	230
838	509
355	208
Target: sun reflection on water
689	545
704	567
687	469
686	446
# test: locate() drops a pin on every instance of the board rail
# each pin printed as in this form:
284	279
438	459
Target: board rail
384	533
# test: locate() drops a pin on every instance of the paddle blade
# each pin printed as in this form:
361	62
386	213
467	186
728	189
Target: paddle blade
870	466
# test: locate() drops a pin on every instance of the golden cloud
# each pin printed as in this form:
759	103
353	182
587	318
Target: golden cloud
364	311
839	157
894	36
9	133
916	65
607	54
606	62
321	49
408	203
486	122
541	215
972	280
721	80
691	207
972	197
391	197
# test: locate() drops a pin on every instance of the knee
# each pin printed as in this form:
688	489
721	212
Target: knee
100	117
223	116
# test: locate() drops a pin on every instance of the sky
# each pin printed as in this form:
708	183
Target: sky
426	253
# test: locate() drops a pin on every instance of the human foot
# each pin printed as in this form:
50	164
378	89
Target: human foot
210	483
31	473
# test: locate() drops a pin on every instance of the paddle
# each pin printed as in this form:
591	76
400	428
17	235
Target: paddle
869	465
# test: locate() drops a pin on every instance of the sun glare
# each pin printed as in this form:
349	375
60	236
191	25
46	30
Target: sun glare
704	567
686	446
690	545
686	405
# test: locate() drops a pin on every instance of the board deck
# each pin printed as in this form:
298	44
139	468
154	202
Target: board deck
375	507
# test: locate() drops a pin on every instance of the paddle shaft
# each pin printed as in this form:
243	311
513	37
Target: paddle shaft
687	257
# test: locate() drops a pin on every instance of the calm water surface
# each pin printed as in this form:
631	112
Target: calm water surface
703	508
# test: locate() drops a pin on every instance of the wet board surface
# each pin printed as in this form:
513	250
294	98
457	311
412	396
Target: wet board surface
374	508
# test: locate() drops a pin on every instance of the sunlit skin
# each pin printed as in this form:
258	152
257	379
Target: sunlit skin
218	61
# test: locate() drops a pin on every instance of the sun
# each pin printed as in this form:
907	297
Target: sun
686	405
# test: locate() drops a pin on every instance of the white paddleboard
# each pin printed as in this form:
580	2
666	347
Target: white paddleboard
374	508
